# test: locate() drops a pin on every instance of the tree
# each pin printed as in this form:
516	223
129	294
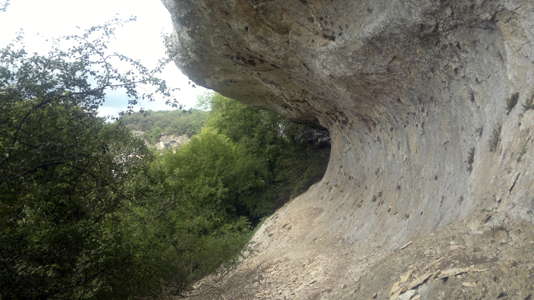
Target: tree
287	160
86	212
156	123
64	173
79	69
61	185
185	221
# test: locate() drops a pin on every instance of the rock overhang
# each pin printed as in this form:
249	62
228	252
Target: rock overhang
415	95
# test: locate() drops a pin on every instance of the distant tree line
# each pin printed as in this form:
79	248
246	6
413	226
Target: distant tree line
157	123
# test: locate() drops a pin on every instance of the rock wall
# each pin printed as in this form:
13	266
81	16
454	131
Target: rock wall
429	191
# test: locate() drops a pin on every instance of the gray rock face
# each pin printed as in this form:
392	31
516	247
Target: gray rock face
429	193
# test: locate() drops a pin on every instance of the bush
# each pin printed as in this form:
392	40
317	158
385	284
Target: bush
186	217
65	174
286	162
63	179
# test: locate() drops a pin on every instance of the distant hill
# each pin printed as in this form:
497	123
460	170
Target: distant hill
153	125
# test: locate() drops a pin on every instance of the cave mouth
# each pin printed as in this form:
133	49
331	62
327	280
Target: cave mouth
314	134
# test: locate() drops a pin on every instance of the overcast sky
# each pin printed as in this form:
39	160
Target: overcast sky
41	19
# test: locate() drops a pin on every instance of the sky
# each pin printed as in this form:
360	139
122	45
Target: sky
142	39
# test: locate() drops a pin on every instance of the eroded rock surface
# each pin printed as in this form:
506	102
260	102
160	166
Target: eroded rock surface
429	191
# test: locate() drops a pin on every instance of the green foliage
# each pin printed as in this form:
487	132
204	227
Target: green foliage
155	124
87	212
286	162
188	216
194	207
213	173
64	174
80	69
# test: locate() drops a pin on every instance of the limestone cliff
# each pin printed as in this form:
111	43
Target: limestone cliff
429	191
